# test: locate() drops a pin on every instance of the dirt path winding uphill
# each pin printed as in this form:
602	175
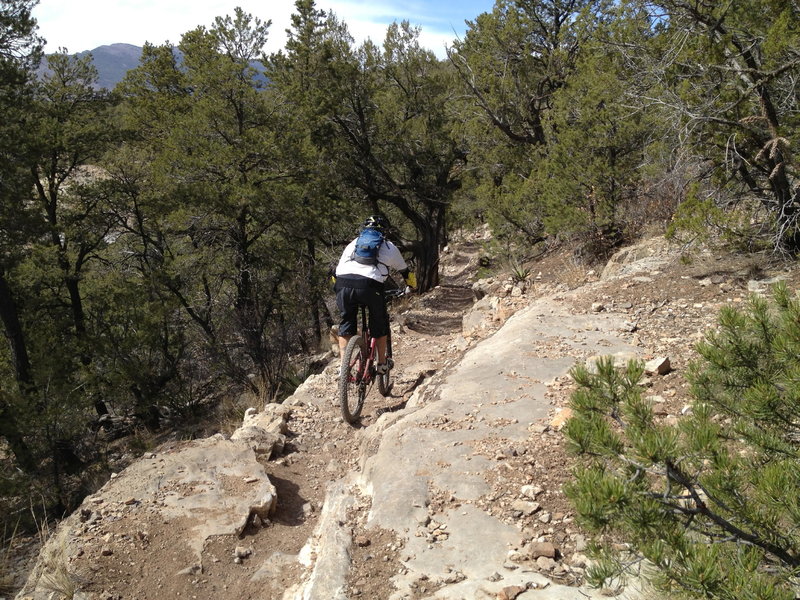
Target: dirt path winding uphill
180	522
449	488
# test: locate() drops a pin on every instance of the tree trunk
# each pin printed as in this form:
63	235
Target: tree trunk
431	231
314	301
15	335
79	320
9	429
427	258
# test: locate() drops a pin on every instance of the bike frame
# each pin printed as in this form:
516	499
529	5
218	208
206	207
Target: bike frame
361	355
367	374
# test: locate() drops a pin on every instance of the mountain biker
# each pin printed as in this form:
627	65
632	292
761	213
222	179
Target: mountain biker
358	283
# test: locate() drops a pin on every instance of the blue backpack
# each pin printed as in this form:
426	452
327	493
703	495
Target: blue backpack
368	246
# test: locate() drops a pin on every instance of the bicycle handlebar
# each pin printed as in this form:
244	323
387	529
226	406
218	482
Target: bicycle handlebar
397	293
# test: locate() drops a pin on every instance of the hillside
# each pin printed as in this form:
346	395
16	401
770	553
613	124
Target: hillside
111	61
450	488
115	60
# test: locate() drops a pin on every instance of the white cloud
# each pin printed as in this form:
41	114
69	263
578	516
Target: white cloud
85	24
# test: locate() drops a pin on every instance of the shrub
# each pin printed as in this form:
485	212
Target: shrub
708	507
739	228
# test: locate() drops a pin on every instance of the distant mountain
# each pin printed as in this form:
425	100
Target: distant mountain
111	62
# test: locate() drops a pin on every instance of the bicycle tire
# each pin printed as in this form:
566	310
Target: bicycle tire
385	379
352	385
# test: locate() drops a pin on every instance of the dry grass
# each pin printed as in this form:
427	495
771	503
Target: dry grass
229	415
573	272
6	575
57	576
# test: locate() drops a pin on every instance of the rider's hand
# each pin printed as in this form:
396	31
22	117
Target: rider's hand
410	279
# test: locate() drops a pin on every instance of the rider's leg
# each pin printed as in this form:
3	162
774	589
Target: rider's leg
381	344
378	325
348	309
343	339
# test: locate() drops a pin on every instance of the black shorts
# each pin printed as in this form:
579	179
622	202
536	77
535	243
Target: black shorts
349	299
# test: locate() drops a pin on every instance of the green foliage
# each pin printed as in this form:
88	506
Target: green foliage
239	227
700	219
730	87
606	146
20	47
381	129
167	242
709	504
570	139
519	272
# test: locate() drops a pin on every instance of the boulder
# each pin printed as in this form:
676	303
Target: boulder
645	256
478	318
263	442
621	360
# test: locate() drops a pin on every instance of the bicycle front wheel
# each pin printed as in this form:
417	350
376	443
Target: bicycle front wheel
353	380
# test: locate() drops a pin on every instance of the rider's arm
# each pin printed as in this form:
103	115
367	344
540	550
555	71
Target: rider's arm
391	257
395	260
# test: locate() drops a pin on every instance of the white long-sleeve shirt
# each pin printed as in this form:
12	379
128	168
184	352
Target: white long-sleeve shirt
388	257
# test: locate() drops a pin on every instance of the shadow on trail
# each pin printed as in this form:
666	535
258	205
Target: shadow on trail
441	311
449	297
402	398
289	510
394	408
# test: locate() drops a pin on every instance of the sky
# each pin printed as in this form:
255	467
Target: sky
79	25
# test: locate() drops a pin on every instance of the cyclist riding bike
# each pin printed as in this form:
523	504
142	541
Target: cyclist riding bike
360	281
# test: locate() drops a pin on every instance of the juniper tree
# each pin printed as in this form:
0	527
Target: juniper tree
392	141
20	52
709	507
730	79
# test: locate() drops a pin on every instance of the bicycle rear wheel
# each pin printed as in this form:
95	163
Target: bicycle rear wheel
385	379
353	381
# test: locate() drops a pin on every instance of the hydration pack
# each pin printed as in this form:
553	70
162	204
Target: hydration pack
368	245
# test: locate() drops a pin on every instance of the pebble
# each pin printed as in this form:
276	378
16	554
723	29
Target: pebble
545	563
539	549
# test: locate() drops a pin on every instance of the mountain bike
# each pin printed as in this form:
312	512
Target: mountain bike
359	363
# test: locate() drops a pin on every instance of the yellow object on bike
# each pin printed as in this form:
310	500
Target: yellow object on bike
411	280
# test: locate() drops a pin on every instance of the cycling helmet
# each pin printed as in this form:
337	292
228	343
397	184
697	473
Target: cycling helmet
376	222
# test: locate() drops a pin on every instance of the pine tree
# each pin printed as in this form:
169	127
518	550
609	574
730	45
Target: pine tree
20	52
731	86
395	143
709	507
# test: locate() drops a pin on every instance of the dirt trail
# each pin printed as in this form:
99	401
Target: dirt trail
319	449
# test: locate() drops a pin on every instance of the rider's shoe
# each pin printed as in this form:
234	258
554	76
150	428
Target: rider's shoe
384	368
